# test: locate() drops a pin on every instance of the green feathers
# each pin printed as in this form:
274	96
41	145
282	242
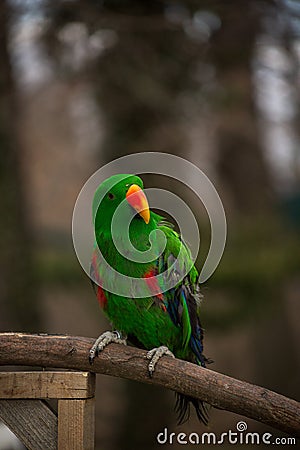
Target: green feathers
159	316
186	323
166	310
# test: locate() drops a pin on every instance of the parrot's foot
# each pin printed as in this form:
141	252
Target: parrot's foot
155	354
103	340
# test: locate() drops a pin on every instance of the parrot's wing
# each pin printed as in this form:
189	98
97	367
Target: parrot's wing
182	301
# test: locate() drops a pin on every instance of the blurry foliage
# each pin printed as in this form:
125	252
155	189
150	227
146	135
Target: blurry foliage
160	65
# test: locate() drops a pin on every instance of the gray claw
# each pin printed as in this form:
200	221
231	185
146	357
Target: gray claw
155	354
103	340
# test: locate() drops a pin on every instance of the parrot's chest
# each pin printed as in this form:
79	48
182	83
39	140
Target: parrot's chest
142	319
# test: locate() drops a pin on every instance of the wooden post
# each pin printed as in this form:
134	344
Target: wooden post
76	425
31	419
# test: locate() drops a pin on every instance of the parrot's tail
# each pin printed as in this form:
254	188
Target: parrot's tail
183	410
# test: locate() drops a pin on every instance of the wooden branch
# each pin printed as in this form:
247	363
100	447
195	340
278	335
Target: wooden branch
218	390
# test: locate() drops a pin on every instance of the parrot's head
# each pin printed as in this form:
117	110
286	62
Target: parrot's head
115	190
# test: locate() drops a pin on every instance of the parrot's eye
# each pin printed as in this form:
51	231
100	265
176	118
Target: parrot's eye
110	195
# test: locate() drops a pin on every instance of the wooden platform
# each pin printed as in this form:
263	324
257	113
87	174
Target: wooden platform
24	410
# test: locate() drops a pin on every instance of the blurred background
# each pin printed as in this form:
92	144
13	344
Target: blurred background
84	82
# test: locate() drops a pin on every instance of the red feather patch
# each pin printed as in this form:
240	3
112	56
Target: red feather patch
100	293
153	286
101	297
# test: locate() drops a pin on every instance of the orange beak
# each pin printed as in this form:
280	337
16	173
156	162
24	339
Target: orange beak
138	200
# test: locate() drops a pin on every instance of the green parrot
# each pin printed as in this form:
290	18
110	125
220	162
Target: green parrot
164	322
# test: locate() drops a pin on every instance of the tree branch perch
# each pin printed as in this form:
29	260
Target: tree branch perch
221	391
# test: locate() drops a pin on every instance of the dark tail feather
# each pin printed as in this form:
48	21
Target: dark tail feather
183	410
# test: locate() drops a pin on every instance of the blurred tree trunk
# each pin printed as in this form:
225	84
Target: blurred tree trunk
244	171
17	287
241	164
